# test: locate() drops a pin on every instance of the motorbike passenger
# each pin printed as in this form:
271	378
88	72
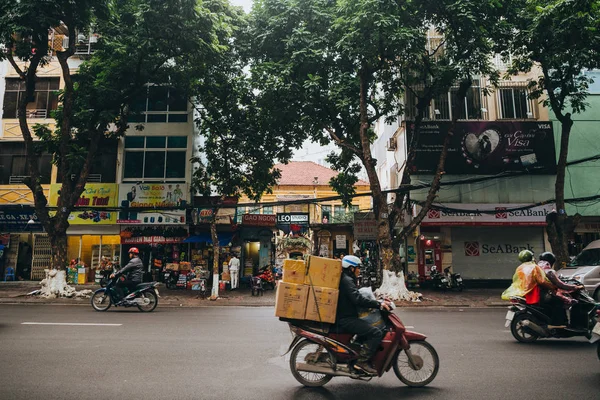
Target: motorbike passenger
134	271
528	280
347	321
561	290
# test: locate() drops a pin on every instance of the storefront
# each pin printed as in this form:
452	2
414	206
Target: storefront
93	240
257	242
293	237
18	224
158	234
586	232
481	241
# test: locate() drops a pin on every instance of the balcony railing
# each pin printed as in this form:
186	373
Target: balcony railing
15	179
37	113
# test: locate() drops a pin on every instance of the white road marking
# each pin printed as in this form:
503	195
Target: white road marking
68	324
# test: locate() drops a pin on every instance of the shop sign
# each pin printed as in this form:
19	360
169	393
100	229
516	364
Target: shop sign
459	214
18	220
95	196
292	219
152	240
410	254
204	215
153	195
259	219
365	229
340	241
487	147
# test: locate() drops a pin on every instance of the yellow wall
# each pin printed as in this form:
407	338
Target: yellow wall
18	194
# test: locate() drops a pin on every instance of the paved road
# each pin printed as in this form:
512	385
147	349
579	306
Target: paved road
233	353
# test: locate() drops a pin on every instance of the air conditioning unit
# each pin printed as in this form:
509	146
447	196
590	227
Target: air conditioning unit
391	144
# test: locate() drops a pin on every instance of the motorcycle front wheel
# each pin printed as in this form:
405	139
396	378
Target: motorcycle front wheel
303	353
151	303
101	301
519	331
424	368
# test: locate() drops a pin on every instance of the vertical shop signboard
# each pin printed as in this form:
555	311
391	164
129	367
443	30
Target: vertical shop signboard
135	201
93	205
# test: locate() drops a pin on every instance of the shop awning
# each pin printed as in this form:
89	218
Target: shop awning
224	238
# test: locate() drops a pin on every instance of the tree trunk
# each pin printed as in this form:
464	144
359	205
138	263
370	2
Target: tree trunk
215	240
560	226
380	206
58	241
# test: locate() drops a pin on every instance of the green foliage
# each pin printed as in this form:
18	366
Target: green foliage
237	152
562	38
310	57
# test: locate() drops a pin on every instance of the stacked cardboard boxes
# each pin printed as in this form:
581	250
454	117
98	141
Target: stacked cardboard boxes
309	290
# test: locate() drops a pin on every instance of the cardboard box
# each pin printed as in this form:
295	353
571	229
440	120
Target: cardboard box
323	272
172	267
290	300
326	299
294	271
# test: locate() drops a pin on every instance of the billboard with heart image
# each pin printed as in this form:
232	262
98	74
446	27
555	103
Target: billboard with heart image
487	147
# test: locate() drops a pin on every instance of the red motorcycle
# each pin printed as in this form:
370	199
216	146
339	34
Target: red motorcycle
318	355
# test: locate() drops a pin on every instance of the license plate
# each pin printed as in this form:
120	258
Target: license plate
509	317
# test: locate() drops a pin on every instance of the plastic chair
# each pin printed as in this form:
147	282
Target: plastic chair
9	273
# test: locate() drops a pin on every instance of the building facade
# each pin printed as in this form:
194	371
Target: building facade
476	227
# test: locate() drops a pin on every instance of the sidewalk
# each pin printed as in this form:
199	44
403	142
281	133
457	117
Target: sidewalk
16	293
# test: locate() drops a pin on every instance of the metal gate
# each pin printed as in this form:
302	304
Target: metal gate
42	252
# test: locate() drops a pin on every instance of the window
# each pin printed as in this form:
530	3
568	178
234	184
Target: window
155	157
45	97
513	103
159	104
254	210
104	166
325	214
342	214
268	210
441	107
13	164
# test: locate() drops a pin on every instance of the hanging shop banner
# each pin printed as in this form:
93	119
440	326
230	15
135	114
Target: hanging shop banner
259	220
204	215
96	195
487	147
487	215
153	195
365	226
293	222
340	241
152	240
12	220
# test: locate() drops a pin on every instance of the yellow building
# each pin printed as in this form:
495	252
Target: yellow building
324	227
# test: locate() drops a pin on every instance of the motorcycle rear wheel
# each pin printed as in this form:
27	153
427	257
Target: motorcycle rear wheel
519	332
150	295
101	301
428	365
299	353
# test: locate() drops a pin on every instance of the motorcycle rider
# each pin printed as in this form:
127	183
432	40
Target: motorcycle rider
528	280
134	270
347	321
560	292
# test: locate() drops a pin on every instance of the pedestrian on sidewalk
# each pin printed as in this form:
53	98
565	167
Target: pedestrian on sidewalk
234	271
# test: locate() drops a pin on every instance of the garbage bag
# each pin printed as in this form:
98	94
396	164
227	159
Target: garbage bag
371	315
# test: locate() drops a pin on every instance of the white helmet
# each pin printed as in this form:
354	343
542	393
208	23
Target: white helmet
351	261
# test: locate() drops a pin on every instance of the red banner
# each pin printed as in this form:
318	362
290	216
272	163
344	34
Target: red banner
258	219
151	240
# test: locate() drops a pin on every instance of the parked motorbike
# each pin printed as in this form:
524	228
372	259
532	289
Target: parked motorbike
145	296
170	278
531	322
318	355
267	277
438	280
412	280
455	281
256	285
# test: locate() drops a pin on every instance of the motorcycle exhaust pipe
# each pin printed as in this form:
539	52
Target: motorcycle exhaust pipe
322	370
536	328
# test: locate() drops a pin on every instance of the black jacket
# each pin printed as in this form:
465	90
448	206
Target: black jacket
134	270
350	299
